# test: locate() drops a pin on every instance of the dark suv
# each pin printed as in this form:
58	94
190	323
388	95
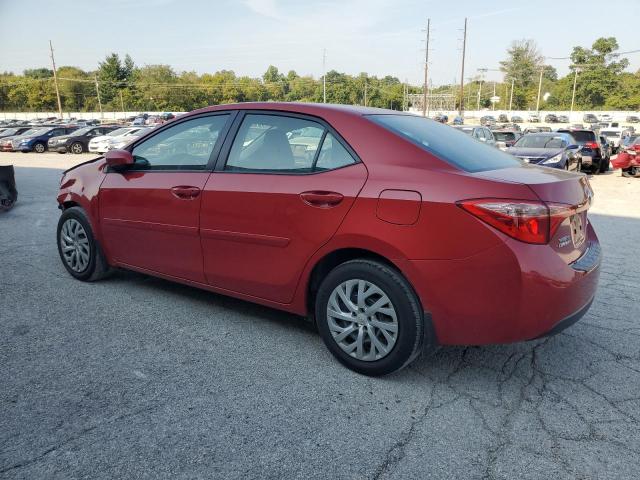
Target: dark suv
592	150
78	141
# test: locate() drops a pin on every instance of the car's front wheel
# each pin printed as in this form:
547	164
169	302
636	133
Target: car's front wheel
39	147
81	255
77	148
369	317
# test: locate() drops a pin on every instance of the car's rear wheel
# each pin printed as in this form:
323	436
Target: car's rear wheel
80	253
369	317
604	165
39	147
77	148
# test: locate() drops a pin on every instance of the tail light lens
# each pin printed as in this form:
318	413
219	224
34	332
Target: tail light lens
525	220
593	145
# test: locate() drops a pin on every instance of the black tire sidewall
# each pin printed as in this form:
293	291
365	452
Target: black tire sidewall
81	148
408	310
78	214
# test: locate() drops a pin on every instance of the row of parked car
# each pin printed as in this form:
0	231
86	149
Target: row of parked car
68	138
568	149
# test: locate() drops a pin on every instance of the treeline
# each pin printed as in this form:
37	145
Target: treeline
124	86
119	84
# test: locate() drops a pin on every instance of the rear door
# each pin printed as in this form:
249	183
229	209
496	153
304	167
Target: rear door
150	213
280	191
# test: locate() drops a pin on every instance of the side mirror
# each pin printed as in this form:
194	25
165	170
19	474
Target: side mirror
118	158
573	147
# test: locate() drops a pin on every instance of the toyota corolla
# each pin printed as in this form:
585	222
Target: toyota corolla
394	232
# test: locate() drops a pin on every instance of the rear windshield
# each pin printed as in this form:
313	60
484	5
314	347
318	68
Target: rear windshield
608	133
446	143
504	136
583	136
540	141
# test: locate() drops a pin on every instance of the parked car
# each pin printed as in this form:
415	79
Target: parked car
563	119
534	118
122	140
37	140
633	119
370	248
551	118
100	144
78	141
458	120
605	118
555	150
441	117
13	131
503	118
607	148
482	134
626	142
591	151
517	119
487	120
6	141
589	118
612	137
505	138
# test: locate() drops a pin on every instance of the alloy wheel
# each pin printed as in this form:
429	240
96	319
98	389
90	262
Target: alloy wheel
76	148
75	246
362	320
39	148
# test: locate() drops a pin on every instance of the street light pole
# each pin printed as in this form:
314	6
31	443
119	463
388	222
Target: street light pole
511	97
573	95
539	90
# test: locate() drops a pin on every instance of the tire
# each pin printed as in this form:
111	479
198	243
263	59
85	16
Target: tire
90	264
402	304
76	148
39	147
604	165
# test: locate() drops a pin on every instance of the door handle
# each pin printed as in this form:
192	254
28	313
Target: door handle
184	192
321	199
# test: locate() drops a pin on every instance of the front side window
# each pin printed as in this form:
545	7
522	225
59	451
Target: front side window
186	145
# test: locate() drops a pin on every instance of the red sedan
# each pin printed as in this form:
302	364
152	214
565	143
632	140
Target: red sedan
396	233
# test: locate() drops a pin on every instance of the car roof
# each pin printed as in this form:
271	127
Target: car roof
301	107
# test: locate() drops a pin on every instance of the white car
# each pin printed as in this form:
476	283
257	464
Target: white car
122	140
613	136
606	118
100	144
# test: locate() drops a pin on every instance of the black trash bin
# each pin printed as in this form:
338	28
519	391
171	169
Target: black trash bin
8	192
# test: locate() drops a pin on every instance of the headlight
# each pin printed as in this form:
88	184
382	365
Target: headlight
555	159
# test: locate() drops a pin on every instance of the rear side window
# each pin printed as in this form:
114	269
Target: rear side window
283	144
446	143
504	136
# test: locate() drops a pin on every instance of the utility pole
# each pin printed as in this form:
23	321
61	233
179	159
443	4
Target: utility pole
493	104
513	80
426	72
480	87
324	75
573	95
464	48
121	102
365	92
55	79
539	90
95	77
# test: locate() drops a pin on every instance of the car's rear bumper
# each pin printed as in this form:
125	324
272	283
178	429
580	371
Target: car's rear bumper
509	293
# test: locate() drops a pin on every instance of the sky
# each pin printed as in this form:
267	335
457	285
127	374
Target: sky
380	37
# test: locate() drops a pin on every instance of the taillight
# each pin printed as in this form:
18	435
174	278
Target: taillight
525	220
593	145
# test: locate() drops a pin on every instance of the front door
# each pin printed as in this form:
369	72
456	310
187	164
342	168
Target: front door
287	183
150	213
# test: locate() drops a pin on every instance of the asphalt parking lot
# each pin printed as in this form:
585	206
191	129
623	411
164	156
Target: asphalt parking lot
136	377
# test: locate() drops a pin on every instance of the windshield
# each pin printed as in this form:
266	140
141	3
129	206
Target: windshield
82	131
446	143
629	140
540	141
35	131
119	131
9	131
504	136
